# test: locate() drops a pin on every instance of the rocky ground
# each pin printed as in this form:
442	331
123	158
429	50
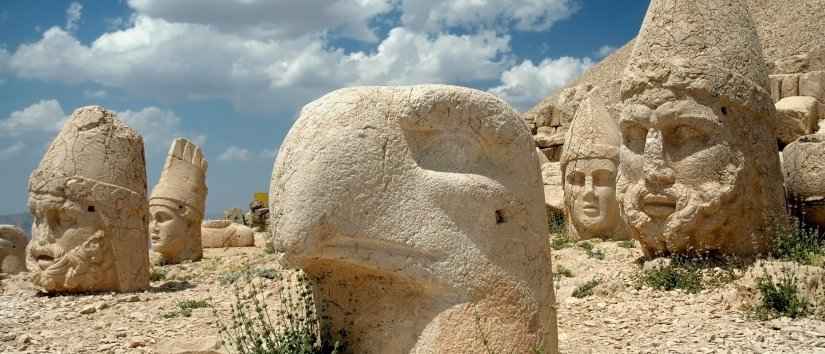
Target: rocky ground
618	318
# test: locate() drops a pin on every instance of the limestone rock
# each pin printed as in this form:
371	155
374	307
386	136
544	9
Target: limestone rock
813	84
796	116
810	282
699	165
177	205
201	345
553	186
88	197
225	233
589	164
434	232
12	249
804	168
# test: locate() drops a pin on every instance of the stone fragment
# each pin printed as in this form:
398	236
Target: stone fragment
790	85
699	167
177	205
796	116
553	187
434	234
588	168
804	168
225	233
813	84
13	243
88	198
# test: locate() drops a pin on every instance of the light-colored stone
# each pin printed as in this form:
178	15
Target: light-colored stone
813	84
699	167
177	205
804	169
433	235
553	185
12	249
201	345
796	116
225	233
589	165
88	197
790	85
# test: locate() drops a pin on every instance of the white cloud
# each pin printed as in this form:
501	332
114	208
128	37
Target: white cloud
525	84
234	153
524	15
46	116
254	74
95	93
11	150
158	127
272	19
73	15
604	51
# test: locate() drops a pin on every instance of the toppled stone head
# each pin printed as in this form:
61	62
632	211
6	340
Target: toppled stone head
699	167
12	249
589	165
177	205
804	169
88	199
419	210
225	233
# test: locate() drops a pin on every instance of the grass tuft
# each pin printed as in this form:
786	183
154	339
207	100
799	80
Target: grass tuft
586	289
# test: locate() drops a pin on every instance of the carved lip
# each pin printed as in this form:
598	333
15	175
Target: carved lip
659	205
590	209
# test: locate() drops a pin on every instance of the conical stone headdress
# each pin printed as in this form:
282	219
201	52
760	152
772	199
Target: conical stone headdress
183	180
593	133
705	47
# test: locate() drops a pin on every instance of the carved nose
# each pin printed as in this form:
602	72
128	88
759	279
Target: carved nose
656	167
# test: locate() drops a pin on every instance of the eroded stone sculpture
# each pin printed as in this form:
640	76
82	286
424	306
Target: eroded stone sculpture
177	205
434	230
804	169
699	167
12	249
88	199
589	164
225	233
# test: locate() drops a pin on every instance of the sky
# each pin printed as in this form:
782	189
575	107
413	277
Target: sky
232	75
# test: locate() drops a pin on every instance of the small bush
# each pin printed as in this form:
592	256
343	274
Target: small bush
627	244
782	298
591	251
798	242
561	241
586	289
295	327
268	273
157	274
184	308
674	276
563	271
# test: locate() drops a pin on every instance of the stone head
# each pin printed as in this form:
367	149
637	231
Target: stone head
699	170
88	199
177	205
436	187
12	249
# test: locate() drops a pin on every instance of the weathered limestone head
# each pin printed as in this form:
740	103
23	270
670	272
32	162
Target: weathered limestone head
589	164
88	199
804	169
434	230
225	233
12	249
177	205
699	166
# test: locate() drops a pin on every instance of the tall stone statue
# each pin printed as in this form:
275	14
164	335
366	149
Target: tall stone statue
589	163
433	236
699	167
88	198
177	205
12	249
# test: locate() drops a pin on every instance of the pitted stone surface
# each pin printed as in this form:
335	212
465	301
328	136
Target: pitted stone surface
804	169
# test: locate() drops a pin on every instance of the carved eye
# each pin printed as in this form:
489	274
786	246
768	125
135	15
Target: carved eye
576	178
683	134
602	178
633	137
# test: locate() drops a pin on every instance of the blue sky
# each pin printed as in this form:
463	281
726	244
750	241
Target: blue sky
232	74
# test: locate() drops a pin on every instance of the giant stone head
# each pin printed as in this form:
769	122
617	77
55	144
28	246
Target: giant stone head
421	210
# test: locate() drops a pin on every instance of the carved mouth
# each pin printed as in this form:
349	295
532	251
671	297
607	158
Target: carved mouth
590	209
659	205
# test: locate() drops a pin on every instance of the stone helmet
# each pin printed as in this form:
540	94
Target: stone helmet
593	133
182	184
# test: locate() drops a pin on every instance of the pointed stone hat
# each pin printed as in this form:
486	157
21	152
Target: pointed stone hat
183	180
704	47
593	133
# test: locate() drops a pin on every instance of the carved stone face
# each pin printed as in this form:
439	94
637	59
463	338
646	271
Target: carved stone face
678	168
590	193
167	230
68	250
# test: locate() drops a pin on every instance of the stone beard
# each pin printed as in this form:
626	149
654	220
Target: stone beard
70	248
590	196
681	182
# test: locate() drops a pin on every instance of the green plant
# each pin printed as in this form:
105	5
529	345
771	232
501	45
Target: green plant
586	289
563	271
555	222
627	244
184	308
157	274
781	298
561	241
295	328
798	242
268	273
676	275
229	278
591	250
